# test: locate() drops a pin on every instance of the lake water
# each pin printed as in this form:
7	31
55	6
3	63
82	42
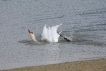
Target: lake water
83	21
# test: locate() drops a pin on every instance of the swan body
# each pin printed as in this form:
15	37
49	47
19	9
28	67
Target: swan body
50	34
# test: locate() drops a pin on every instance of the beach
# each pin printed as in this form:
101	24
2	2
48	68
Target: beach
87	65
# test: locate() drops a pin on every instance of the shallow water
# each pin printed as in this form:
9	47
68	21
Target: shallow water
84	22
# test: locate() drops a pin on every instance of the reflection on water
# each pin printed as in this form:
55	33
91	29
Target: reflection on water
28	42
50	53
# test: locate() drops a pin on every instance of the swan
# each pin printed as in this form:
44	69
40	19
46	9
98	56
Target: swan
49	34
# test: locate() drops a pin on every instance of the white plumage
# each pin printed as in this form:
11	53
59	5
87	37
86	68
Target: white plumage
50	34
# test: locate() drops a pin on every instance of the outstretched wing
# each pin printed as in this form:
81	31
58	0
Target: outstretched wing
54	33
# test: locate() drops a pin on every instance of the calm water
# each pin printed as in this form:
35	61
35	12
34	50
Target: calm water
84	21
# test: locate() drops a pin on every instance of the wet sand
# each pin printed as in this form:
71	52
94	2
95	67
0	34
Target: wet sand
88	65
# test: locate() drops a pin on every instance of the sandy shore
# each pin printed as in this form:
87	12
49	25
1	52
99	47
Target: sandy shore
88	65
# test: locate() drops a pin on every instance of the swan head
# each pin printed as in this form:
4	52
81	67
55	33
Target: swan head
32	35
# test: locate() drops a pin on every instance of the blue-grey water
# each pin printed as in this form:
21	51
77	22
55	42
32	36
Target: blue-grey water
83	21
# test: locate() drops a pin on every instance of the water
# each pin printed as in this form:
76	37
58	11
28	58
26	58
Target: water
84	21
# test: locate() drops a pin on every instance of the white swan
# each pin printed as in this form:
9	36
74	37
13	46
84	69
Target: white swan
50	34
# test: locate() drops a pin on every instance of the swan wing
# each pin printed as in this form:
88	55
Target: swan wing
54	33
50	34
44	33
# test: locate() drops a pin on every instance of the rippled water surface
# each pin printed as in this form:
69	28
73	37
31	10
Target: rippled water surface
83	21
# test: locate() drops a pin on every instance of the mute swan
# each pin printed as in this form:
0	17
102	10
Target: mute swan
49	34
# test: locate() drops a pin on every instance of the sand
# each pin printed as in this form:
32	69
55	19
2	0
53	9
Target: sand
88	65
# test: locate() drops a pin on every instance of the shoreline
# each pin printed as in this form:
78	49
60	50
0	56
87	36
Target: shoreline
87	65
